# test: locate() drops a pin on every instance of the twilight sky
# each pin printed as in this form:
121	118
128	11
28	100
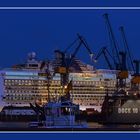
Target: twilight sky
70	3
42	31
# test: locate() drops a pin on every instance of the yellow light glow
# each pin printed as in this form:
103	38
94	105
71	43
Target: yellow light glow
65	87
101	87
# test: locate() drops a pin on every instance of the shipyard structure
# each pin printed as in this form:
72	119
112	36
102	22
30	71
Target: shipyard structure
27	83
28	91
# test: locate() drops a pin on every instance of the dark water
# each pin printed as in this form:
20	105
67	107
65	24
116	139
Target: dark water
91	125
113	126
14	124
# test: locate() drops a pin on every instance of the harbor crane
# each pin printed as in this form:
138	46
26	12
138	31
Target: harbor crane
65	61
136	76
119	58
135	64
105	52
121	28
113	42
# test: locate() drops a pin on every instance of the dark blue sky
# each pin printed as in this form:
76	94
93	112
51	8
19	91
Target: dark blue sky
69	2
42	31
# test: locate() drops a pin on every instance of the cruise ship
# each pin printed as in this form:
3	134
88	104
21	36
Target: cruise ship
25	83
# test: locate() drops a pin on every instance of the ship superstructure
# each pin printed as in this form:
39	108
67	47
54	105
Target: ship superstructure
26	83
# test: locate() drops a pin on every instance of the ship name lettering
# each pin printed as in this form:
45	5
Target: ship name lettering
124	110
135	110
127	110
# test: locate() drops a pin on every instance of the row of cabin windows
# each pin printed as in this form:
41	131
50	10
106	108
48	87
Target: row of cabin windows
30	81
91	104
55	91
88	96
88	99
112	82
22	97
32	91
32	87
16	82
